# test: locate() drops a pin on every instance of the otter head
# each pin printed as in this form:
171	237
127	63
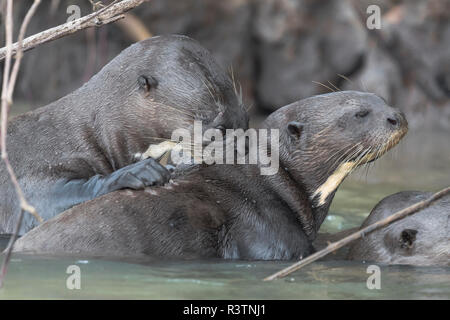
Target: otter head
420	239
325	137
164	83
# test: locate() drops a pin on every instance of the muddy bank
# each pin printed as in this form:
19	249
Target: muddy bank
278	49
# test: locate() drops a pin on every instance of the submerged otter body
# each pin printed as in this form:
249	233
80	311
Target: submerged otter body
420	239
231	211
84	145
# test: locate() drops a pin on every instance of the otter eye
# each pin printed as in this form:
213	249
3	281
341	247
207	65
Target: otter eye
362	113
222	129
147	83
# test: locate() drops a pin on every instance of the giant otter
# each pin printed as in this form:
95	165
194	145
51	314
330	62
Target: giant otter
231	211
420	239
83	145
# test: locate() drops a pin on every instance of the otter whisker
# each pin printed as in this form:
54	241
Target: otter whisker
236	92
232	79
213	88
210	87
363	86
335	154
361	157
322	132
346	157
182	111
342	158
345	78
209	90
366	166
377	155
323	85
334	86
158	138
347	160
354	154
351	150
355	85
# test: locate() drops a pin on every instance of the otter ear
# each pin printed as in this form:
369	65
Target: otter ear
295	129
407	238
147	83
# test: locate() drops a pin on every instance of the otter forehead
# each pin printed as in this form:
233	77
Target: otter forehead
187	78
194	75
179	58
354	114
167	38
187	57
358	98
164	42
436	217
343	101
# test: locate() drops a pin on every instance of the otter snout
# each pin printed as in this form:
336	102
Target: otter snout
397	120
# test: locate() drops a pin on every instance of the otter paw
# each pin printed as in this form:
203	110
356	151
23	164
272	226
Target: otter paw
170	167
137	176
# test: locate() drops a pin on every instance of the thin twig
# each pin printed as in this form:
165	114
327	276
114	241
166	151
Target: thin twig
361	233
8	250
22	31
97	12
9	81
108	14
8	39
7	93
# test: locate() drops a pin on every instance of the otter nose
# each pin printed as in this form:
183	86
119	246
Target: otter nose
394	120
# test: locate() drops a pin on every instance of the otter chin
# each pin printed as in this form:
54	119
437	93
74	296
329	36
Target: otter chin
363	156
232	211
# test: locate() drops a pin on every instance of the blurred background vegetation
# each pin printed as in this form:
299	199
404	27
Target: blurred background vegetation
277	49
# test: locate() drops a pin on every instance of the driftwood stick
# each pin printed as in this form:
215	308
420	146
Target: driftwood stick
108	14
354	236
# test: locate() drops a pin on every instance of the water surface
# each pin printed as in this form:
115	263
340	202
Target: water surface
421	162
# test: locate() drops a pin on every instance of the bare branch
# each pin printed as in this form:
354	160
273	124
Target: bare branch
354	236
8	39
23	29
9	81
7	92
8	250
108	14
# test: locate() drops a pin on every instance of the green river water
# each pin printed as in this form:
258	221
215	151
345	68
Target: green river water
420	162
